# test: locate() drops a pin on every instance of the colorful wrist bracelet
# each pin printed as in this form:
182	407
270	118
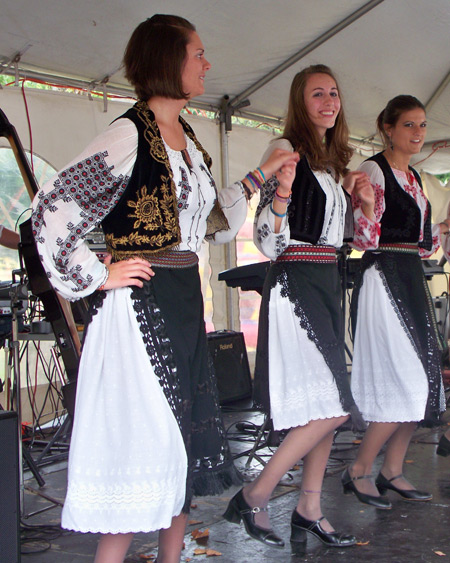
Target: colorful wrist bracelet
275	213
252	182
262	174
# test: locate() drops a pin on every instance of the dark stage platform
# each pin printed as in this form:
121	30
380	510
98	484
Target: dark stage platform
407	533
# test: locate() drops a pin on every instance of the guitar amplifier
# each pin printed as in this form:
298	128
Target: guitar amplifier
9	488
229	356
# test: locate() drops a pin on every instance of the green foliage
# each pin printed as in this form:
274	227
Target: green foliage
443	178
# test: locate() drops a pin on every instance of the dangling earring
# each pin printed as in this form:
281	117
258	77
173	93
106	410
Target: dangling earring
391	145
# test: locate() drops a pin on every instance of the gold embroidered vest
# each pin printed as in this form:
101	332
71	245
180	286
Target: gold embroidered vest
145	220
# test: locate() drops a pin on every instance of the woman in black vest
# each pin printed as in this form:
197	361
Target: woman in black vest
301	375
396	375
147	431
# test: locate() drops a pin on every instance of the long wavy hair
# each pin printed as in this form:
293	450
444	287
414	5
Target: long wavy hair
334	151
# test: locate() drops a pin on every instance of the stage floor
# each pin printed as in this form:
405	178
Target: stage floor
409	532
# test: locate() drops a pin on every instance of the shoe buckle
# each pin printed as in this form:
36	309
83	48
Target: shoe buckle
257	509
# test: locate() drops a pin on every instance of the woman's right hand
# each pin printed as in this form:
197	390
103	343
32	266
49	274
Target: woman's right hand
127	272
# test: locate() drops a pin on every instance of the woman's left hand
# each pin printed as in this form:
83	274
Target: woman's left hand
277	160
285	175
358	183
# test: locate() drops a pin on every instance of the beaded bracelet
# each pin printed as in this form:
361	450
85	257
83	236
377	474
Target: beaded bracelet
277	214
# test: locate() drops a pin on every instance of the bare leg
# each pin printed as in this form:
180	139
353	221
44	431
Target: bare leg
447	434
376	435
396	452
314	465
297	444
112	548
171	540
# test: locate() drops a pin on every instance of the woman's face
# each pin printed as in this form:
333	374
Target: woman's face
408	134
322	101
195	67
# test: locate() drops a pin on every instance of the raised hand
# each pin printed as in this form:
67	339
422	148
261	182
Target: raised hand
358	184
277	160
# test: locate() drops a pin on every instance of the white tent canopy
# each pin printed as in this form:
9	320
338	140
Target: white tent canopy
378	48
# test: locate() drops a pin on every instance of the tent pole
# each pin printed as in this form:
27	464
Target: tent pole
225	182
442	86
306	50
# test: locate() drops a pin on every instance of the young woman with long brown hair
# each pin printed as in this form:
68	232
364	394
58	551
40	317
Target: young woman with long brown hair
301	377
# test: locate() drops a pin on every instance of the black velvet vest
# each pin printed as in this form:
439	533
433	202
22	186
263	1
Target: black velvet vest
401	219
145	220
307	209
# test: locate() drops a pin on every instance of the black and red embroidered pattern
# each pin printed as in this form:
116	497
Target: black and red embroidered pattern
185	191
92	186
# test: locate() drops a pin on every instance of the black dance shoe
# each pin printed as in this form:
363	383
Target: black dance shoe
384	484
239	510
349	487
300	525
443	448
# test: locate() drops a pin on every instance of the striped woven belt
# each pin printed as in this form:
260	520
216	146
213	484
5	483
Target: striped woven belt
173	259
309	253
403	247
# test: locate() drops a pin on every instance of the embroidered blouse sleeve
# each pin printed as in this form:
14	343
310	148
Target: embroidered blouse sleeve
234	205
268	242
367	232
75	201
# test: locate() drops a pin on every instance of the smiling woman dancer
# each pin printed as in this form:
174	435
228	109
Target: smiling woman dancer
396	376
147	431
301	333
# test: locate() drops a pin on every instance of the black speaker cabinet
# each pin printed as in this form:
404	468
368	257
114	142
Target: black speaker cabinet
9	488
229	356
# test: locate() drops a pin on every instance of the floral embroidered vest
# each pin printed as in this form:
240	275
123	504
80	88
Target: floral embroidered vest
145	220
401	220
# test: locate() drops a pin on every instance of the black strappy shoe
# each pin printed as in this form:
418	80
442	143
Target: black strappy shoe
384	484
349	487
239	510
300	525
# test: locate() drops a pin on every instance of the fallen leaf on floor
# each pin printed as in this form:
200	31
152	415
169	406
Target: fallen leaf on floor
357	441
149	557
195	522
199	534
362	542
194	505
198	551
409	461
296	467
440	553
212	553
